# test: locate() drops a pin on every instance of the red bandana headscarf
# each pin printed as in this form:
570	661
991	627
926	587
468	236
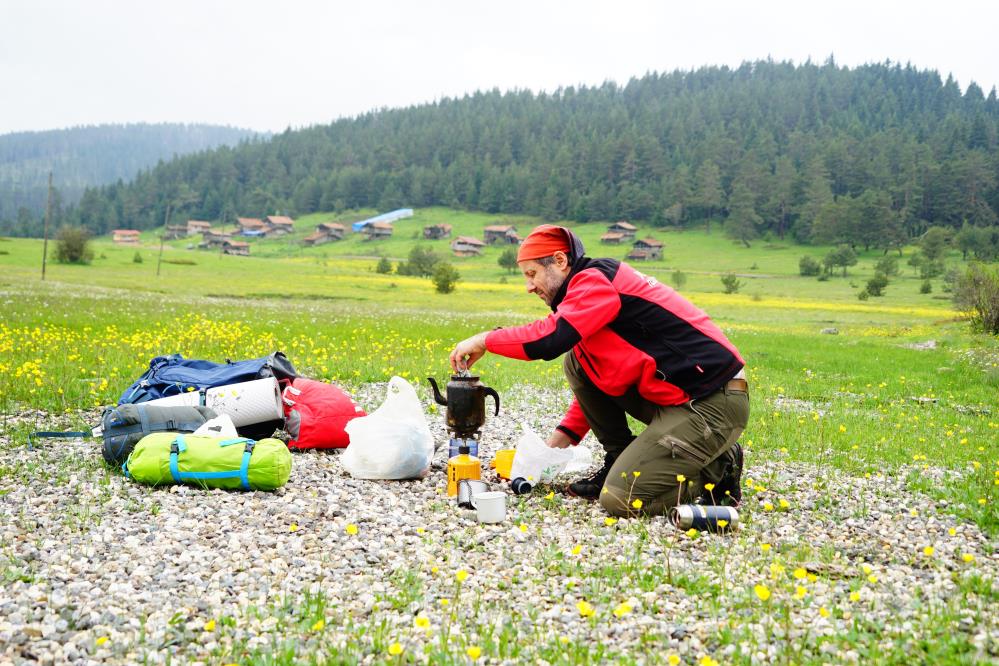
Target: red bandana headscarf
544	241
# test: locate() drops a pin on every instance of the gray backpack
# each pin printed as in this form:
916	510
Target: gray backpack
125	425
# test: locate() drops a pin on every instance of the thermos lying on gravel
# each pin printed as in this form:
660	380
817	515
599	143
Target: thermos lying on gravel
704	517
520	486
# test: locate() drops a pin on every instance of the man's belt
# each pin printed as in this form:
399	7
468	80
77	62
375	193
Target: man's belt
737	385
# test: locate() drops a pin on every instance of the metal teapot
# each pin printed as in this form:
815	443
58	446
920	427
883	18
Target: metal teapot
466	403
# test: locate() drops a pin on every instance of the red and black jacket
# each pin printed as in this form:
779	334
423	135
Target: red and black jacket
626	329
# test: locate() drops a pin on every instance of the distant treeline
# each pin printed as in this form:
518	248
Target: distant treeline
84	157
870	156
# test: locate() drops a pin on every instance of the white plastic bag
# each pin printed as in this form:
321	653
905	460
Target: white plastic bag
392	442
535	460
582	459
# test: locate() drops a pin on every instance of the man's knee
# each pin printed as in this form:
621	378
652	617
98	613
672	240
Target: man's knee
614	502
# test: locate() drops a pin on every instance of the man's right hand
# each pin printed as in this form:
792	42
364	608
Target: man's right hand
559	440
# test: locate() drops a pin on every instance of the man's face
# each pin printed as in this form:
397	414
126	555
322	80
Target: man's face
545	280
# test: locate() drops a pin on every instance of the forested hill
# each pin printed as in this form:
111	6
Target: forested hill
869	155
84	157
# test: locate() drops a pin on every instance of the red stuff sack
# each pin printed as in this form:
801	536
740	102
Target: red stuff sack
316	413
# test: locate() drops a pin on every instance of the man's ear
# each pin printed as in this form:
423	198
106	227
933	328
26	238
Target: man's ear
561	259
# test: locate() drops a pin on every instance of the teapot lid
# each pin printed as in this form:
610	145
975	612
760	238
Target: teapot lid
463	376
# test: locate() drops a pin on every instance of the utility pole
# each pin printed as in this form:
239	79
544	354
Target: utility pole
45	233
166	224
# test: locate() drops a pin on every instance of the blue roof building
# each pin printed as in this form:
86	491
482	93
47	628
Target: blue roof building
390	217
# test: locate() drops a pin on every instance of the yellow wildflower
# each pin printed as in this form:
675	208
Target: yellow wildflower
210	625
577	549
637	504
608	521
968	557
636	473
692	532
395	649
823	611
319	624
461	575
928	551
673	660
800	591
680	478
800	573
351	529
855	596
765	547
762	591
293	527
585	609
102	640
421	622
473	652
622	609
709	487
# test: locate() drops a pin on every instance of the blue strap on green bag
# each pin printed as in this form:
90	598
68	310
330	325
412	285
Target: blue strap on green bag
178	446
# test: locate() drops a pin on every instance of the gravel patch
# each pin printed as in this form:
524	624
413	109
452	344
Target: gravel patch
97	569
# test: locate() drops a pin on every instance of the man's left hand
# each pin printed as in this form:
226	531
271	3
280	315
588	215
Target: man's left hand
468	351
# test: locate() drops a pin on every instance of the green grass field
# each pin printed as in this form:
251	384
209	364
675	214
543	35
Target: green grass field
77	339
867	400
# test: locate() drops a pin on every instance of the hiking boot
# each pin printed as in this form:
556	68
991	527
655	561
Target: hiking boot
589	488
729	489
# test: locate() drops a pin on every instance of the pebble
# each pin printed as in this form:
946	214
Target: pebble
100	556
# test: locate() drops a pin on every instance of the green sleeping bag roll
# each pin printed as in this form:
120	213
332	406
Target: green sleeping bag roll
209	462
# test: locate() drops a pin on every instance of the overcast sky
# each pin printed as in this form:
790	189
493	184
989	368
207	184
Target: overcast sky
273	65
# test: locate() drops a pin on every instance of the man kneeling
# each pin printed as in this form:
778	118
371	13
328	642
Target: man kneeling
637	348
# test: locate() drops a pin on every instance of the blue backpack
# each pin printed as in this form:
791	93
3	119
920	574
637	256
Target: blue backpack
170	375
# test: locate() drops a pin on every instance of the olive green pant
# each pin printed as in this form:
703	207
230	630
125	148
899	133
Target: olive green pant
692	441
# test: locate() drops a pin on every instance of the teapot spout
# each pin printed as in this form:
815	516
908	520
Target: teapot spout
437	393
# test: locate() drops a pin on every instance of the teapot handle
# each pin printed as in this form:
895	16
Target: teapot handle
494	394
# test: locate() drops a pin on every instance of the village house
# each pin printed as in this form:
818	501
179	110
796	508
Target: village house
646	249
436	231
324	233
377	230
500	233
195	227
240	248
277	225
251	226
213	238
175	231
125	236
612	238
623	228
466	246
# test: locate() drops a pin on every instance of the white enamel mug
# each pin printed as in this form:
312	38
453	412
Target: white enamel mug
490	507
